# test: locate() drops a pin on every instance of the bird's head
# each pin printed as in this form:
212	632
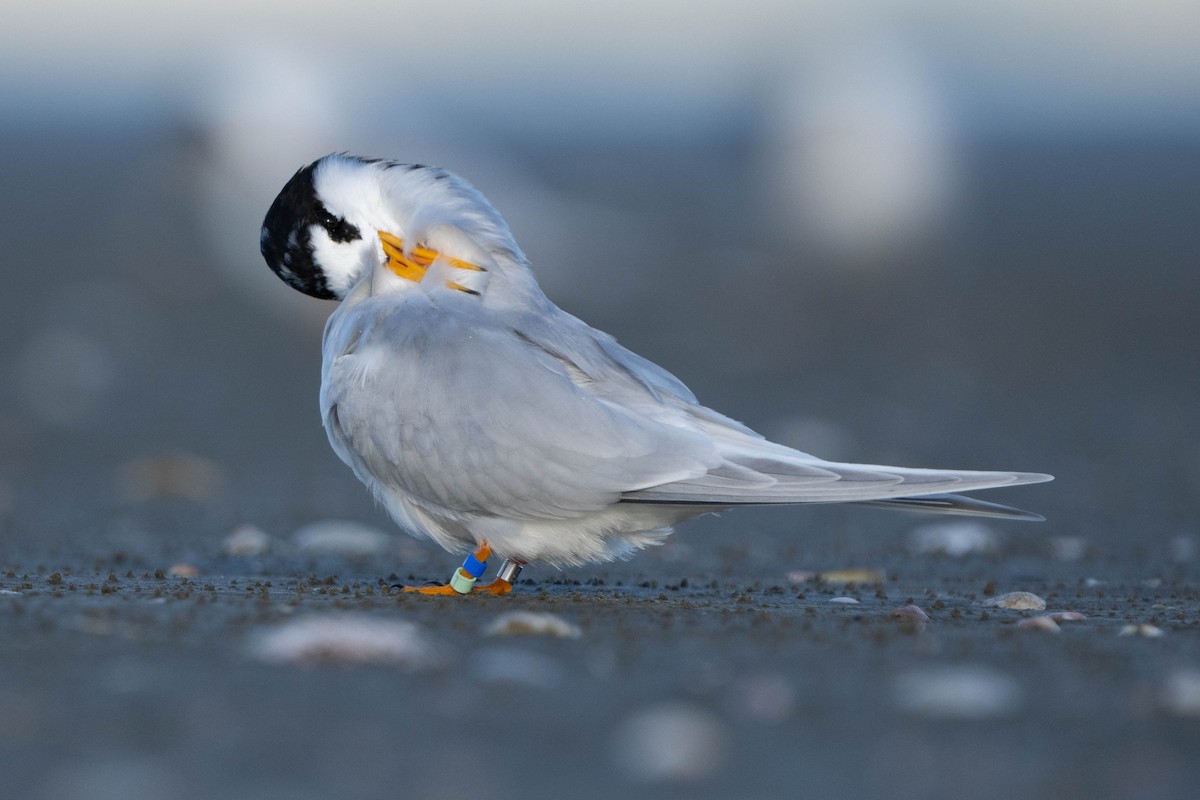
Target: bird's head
342	216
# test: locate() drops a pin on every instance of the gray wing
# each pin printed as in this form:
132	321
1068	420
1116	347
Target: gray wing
751	469
475	418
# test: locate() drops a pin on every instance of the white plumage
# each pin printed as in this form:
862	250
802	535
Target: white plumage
475	409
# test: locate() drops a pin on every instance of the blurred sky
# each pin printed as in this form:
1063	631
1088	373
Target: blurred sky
626	66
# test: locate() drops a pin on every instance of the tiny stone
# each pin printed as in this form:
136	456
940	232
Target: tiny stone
1067	616
846	601
1042	623
1020	601
183	571
536	623
910	613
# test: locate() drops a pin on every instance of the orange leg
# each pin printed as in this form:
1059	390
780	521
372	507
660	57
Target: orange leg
463	582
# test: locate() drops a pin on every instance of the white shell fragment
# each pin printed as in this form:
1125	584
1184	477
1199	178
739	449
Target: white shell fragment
957	539
1018	601
536	623
855	575
1180	693
1042	623
960	692
346	639
341	538
1068	548
1067	616
247	540
669	743
1145	630
846	601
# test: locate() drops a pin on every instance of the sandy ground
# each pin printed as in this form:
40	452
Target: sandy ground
1054	333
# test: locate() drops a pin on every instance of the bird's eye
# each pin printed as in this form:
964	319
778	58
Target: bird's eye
339	230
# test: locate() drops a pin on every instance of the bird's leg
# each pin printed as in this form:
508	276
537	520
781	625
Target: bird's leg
463	579
504	579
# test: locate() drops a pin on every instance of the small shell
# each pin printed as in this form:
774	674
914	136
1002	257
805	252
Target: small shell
346	639
183	571
909	613
1181	692
1042	623
536	623
852	576
343	538
672	743
846	601
1148	631
247	540
1020	601
956	539
1067	616
958	692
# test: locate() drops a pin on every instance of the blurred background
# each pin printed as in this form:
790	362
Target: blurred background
927	233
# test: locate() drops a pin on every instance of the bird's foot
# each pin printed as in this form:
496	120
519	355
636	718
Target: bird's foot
441	590
463	580
496	587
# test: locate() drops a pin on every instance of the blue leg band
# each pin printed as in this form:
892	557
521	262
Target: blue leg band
474	567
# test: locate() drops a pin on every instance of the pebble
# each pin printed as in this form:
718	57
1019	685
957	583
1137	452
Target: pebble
8	592
183	571
909	613
1180	693
346	639
1043	623
516	667
247	540
846	601
673	742
535	623
1067	616
1183	549
341	538
1068	548
958	692
767	698
1019	601
957	539
1148	631
176	475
